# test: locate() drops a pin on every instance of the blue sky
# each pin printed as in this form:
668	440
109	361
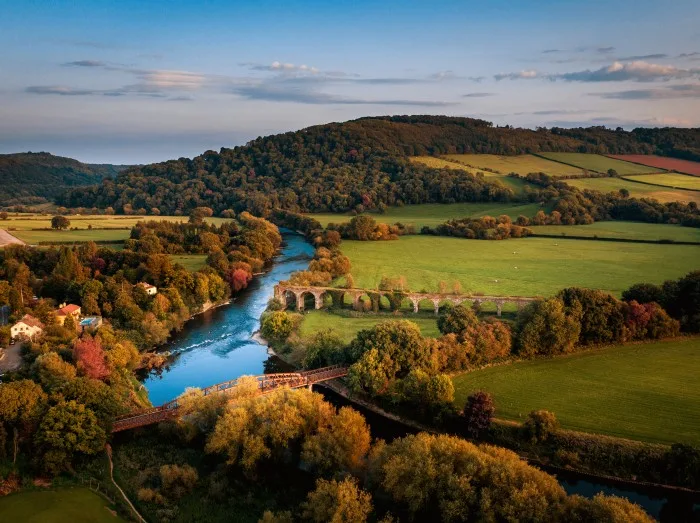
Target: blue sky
141	81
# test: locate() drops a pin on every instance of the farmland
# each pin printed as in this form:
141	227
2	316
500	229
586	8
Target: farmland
661	162
623	230
519	267
636	190
433	214
598	163
674	180
516	184
523	164
348	326
645	391
191	262
78	505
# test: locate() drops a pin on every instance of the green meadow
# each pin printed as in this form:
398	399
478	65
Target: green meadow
636	190
624	230
191	262
522	164
673	180
75	505
599	163
433	214
647	391
519	267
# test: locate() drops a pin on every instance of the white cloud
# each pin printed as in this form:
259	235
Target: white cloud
522	75
638	71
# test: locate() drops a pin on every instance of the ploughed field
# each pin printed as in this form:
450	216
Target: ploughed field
598	163
673	180
636	189
433	214
661	162
75	505
517	267
647	391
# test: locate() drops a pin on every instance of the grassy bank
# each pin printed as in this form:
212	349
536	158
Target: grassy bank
77	505
649	392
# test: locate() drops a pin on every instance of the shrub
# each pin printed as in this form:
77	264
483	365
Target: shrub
178	480
540	425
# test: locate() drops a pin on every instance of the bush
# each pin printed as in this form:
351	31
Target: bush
178	480
478	413
540	425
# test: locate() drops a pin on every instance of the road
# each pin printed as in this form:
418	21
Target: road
7	239
12	359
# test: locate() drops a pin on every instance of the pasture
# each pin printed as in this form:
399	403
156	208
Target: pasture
348	326
673	180
598	163
77	505
433	214
517	267
661	162
516	184
522	164
191	262
636	190
646	391
624	230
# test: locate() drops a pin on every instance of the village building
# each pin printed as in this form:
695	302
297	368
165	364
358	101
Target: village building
151	290
67	310
91	323
27	328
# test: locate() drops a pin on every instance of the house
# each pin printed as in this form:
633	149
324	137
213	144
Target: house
67	310
90	323
151	290
27	328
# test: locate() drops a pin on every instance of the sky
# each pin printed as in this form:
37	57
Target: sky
142	81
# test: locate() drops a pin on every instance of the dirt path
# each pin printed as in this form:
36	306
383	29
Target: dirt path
108	448
7	239
12	358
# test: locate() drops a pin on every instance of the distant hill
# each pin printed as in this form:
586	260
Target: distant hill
36	177
358	164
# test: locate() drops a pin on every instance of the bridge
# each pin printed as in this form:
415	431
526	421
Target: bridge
266	383
299	293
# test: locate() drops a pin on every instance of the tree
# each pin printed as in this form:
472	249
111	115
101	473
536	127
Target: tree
239	279
602	319
60	222
546	327
478	413
199	213
456	320
684	465
610	509
52	371
276	326
178	480
644	293
338	502
3	215
69	324
540	424
97	396
21	405
90	358
68	429
325	347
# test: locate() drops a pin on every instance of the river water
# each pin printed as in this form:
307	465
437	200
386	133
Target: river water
216	346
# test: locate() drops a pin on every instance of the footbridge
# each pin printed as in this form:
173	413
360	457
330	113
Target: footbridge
298	294
266	383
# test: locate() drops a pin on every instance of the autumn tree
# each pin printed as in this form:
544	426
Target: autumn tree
90	358
456	320
546	327
60	223
478	413
178	480
277	326
337	502
540	425
52	371
21	404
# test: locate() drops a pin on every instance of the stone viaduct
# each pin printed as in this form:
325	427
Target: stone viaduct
299	293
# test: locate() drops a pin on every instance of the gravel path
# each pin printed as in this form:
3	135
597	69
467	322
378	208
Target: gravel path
6	238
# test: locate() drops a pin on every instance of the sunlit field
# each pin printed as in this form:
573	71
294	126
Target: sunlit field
522	164
599	163
674	180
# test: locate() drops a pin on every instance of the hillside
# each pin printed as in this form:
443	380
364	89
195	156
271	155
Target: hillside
353	165
30	177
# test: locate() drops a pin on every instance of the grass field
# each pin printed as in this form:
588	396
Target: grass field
433	214
522	164
191	262
674	180
625	230
648	392
637	190
519	267
598	163
77	505
348	327
516	184
662	162
82	235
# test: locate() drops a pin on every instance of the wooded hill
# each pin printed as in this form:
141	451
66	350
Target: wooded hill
34	177
357	164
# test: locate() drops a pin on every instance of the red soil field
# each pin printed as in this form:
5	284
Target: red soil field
661	162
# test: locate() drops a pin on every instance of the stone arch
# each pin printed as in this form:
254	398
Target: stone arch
288	299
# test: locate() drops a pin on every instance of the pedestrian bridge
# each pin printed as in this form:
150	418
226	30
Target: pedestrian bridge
266	384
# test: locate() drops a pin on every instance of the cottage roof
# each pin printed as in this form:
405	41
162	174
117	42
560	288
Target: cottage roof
31	321
68	309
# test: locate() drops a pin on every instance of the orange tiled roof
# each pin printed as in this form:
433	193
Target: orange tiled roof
68	309
30	320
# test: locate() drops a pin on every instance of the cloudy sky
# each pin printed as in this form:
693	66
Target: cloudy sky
140	81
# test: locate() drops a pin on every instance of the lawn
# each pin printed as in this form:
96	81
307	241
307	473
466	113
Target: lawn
522	164
674	180
662	162
77	505
516	184
348	327
191	262
433	214
647	391
599	163
81	235
637	190
518	267
626	230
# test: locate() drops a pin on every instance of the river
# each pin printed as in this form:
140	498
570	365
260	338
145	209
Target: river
217	346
